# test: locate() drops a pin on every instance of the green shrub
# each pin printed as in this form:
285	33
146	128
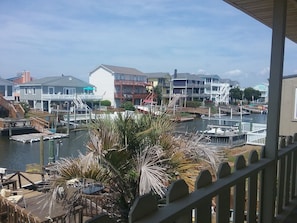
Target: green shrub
193	104
106	103
128	106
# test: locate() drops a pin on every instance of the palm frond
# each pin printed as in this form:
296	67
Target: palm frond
152	174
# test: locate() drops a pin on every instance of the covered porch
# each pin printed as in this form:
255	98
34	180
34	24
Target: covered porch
262	188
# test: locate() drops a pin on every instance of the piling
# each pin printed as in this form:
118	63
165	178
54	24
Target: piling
41	147
51	157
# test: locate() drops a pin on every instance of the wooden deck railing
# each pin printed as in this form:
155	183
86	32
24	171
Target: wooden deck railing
93	204
238	194
13	113
39	123
14	213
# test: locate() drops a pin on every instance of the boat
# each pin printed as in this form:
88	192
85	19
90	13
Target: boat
221	130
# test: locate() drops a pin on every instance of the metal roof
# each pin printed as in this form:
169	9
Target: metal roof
262	10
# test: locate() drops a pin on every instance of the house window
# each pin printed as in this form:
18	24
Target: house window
33	91
9	90
2	90
51	90
69	91
26	90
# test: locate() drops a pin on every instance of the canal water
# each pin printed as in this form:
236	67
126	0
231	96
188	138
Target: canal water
16	155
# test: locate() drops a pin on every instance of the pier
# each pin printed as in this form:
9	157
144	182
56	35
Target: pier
28	130
35	137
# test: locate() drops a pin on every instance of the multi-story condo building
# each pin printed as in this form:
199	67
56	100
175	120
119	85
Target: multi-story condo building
119	84
202	87
187	86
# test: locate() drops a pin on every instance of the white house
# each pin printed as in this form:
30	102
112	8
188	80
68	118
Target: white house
119	84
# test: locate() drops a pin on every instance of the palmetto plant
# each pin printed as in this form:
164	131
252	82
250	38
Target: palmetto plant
134	155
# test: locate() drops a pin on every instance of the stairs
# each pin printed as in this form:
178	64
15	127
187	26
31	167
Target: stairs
223	96
149	99
15	110
40	125
174	100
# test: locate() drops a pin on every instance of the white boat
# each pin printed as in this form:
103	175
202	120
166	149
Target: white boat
221	130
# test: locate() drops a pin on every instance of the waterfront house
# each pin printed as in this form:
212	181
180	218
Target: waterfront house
119	84
161	80
217	89
188	87
21	78
58	91
263	88
6	89
264	189
199	87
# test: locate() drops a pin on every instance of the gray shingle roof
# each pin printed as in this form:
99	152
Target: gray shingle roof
6	82
64	81
158	75
187	76
120	70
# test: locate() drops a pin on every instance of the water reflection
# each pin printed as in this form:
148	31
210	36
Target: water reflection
15	155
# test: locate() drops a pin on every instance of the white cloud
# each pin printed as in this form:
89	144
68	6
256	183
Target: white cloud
265	71
234	73
73	37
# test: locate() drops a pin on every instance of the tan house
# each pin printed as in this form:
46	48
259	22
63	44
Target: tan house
288	114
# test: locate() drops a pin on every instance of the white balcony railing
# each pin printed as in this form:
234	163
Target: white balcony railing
68	97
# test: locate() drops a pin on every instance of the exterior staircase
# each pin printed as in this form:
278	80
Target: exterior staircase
223	96
149	99
173	101
40	125
15	110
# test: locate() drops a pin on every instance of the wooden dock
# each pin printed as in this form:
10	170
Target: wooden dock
35	137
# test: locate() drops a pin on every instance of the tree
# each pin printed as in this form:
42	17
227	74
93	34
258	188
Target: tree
132	156
251	94
158	92
235	94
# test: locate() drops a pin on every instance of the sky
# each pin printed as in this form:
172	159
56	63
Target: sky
74	37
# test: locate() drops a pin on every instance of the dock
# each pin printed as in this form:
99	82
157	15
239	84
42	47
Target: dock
35	137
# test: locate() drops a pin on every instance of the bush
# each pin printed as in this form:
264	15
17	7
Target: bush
106	103
128	106
193	104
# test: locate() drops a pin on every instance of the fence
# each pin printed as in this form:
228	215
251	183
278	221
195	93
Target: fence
238	194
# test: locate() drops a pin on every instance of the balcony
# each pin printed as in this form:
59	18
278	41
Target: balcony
130	95
69	97
131	83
